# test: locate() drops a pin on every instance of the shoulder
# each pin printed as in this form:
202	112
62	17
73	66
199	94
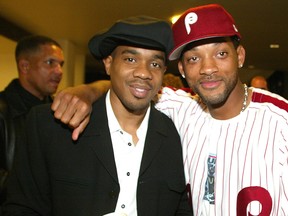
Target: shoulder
41	115
161	122
159	116
3	105
99	108
269	99
170	100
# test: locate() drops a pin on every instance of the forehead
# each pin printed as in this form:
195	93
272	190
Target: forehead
210	41
48	50
139	51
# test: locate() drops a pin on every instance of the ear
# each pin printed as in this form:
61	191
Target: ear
180	68
107	64
164	69
23	66
241	55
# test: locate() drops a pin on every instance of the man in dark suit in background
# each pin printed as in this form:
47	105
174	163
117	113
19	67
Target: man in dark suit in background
128	161
39	62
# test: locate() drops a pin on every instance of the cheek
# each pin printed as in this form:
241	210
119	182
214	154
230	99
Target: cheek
190	72
117	77
44	74
34	74
118	81
158	79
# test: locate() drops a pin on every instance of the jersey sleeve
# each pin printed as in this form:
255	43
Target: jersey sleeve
175	104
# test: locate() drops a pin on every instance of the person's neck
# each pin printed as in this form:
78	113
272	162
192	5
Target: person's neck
129	121
236	103
31	90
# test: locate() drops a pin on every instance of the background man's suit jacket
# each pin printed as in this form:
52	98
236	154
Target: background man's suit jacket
56	176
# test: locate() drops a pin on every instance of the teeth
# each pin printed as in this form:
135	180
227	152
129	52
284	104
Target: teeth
140	90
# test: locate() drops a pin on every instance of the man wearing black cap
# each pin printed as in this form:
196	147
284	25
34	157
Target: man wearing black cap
128	161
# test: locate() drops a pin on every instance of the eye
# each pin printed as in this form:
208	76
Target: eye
222	54
130	59
193	59
49	61
156	65
53	63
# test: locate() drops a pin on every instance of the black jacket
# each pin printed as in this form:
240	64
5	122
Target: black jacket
15	103
59	177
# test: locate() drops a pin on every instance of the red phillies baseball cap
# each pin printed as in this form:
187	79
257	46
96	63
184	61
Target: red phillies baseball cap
199	23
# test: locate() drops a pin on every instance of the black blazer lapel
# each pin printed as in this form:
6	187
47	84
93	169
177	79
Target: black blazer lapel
97	135
154	139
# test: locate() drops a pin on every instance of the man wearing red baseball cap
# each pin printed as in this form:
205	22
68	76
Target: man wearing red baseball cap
234	138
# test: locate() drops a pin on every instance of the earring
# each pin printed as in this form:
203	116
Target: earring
183	76
240	66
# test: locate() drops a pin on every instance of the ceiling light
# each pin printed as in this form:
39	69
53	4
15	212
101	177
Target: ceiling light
274	46
174	18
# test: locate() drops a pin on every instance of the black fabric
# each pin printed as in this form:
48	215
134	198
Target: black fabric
57	176
15	103
7	146
141	31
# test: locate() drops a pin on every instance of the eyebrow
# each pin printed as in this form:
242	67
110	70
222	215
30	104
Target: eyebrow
135	52
130	51
161	57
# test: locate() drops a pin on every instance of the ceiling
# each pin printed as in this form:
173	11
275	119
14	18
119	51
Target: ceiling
261	22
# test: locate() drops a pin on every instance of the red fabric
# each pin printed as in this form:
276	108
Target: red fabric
249	194
200	23
259	97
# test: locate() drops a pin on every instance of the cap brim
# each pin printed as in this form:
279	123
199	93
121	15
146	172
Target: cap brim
176	52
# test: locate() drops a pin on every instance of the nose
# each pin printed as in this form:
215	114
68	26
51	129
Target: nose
58	68
209	67
143	71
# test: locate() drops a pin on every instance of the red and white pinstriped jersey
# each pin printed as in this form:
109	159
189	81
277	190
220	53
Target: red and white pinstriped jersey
250	152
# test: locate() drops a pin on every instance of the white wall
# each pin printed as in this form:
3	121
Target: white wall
8	70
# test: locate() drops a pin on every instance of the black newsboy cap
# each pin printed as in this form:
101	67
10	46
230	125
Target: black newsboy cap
141	31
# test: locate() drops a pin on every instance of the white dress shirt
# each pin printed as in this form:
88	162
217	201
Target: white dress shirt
128	158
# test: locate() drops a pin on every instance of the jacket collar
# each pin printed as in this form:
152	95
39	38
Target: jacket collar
97	135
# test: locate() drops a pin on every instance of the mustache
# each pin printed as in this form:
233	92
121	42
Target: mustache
209	78
145	84
57	78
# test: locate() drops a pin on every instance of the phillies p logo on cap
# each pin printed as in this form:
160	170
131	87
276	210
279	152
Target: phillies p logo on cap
199	23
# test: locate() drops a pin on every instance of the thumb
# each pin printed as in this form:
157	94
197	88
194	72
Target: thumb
78	130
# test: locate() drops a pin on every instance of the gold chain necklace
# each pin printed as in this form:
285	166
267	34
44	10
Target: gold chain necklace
245	97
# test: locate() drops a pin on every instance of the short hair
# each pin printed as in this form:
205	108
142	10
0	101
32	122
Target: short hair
32	43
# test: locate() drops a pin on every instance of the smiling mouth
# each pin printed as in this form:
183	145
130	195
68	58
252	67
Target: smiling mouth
140	91
209	84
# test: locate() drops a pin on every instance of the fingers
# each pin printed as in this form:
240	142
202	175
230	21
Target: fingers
78	130
72	111
60	104
73	106
56	102
76	113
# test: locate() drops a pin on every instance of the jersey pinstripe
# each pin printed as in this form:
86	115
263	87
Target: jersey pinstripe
251	169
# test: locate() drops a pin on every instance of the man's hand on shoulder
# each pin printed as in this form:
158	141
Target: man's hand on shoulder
73	105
